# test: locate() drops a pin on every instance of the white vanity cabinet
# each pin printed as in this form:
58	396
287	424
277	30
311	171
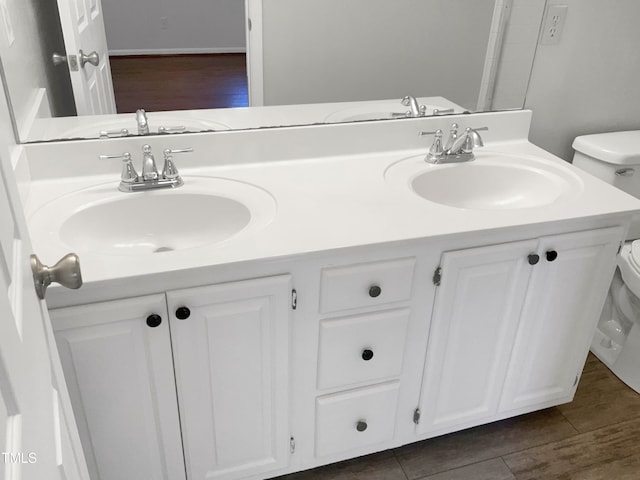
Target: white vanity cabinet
231	354
117	363
504	331
511	326
565	297
362	336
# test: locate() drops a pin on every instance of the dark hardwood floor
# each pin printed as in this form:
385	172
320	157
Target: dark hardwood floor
179	82
595	437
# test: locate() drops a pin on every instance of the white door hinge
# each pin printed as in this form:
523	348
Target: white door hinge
292	445
437	276
416	416
294	299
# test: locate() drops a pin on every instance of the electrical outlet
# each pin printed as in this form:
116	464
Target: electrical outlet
553	24
164	23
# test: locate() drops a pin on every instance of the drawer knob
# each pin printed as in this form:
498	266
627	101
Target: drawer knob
183	313
367	354
375	291
533	258
154	320
551	255
361	426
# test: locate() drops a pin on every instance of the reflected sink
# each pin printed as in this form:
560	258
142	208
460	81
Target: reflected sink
490	182
205	211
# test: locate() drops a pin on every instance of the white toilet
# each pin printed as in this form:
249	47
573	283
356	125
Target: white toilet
615	158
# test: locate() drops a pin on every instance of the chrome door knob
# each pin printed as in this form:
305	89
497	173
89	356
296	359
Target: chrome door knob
93	58
66	272
58	59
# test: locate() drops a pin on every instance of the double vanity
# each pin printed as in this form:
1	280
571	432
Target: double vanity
316	293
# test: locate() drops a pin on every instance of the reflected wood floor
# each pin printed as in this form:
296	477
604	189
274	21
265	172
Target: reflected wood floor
179	82
596	437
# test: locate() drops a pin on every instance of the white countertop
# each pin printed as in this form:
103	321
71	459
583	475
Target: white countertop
327	203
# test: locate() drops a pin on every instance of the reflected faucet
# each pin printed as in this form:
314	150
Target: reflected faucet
416	110
142	121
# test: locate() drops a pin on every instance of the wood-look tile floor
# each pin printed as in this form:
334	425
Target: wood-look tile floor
179	82
596	437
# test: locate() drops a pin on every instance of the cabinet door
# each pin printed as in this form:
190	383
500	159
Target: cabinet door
119	372
567	291
474	321
231	354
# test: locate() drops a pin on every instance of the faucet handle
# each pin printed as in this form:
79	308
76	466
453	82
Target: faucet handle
436	149
169	169
129	174
437	111
123	132
162	129
473	137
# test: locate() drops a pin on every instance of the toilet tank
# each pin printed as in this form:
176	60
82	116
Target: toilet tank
612	157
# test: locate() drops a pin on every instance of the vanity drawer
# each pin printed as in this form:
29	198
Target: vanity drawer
361	348
366	285
356	418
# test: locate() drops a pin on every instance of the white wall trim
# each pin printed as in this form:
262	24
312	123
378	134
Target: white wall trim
255	57
494	49
175	51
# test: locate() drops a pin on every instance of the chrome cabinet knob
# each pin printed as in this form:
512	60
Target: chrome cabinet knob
66	272
93	58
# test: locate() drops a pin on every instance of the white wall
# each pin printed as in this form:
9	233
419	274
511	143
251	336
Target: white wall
192	26
337	50
22	57
590	82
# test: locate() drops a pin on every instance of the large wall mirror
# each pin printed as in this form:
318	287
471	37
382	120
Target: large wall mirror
80	68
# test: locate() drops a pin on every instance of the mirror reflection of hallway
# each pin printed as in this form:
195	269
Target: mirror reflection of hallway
177	55
179	82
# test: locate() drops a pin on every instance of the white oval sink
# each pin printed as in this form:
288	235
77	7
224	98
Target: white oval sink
205	211
492	182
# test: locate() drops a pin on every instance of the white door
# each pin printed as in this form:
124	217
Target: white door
475	319
38	436
83	30
567	291
231	355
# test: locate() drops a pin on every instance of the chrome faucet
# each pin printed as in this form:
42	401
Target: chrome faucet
415	110
149	179
457	149
149	169
142	121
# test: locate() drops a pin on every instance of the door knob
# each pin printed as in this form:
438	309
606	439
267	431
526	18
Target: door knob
93	58
58	59
66	272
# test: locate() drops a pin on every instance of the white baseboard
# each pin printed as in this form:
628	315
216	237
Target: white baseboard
175	51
